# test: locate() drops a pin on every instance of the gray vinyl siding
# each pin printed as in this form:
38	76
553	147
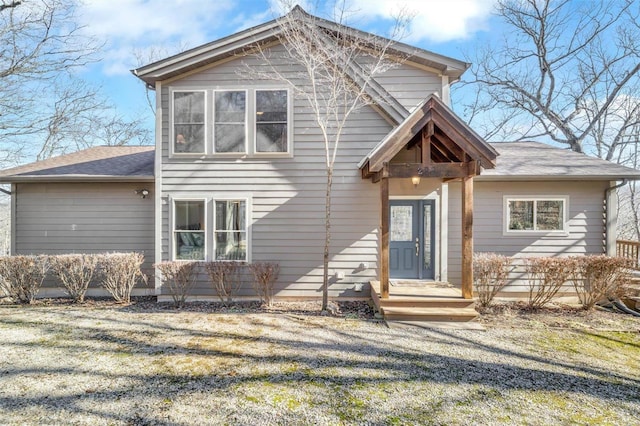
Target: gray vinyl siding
61	218
410	85
585	223
286	195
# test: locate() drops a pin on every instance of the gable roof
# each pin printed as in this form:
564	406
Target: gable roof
432	109
539	161
237	43
102	163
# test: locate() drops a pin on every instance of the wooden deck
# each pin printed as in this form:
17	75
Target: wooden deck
413	300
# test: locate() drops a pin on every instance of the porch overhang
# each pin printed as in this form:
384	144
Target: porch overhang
443	146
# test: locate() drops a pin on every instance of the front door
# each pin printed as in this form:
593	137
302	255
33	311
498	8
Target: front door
411	239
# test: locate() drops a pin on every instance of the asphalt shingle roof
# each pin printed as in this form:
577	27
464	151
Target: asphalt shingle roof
517	161
539	161
98	163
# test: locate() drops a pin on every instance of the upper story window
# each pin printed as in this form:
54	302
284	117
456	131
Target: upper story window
230	133
230	127
189	127
271	121
536	214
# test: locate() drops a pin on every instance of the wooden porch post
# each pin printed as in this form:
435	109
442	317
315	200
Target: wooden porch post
467	237
384	238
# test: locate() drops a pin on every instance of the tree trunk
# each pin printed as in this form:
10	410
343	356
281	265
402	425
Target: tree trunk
327	240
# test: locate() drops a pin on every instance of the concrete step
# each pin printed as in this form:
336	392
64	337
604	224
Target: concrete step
429	314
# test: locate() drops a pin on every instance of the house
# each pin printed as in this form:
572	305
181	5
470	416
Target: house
238	173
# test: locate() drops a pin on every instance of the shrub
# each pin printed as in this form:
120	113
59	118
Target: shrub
180	277
120	272
225	278
75	272
547	275
21	276
265	275
599	277
490	272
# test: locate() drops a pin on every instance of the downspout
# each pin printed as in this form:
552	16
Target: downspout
610	236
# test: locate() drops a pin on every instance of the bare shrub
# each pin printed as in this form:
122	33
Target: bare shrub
600	277
120	272
75	272
265	275
225	278
547	275
21	276
179	277
490	272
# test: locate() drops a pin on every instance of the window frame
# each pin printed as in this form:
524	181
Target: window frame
289	124
247	105
172	130
174	231
520	232
214	228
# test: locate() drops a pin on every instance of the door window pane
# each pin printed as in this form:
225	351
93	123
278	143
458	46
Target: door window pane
188	121
189	236
271	121
401	226
230	121
230	234
427	237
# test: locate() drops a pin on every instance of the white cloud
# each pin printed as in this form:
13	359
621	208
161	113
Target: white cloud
435	20
136	24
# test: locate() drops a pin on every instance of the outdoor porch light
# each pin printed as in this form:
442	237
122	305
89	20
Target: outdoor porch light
142	192
415	181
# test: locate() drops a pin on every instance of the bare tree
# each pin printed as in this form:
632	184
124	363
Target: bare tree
45	109
332	69
565	72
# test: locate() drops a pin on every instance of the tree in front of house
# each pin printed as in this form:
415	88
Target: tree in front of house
337	66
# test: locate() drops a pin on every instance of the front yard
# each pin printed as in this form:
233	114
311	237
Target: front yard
102	363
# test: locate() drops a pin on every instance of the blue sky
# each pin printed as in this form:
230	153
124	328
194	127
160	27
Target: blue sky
135	30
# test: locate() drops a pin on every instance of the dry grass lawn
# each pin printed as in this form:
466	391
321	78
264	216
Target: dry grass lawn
101	363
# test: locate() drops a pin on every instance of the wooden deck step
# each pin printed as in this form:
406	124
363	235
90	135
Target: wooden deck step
429	314
427	302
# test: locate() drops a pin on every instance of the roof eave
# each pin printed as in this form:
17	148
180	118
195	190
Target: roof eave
74	178
541	178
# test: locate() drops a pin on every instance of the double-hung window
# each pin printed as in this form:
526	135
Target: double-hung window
189	127
535	214
230	116
189	230
271	121
230	233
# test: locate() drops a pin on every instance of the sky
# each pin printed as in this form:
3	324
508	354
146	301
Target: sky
136	31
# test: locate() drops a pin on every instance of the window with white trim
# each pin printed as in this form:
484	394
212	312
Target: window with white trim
271	121
189	127
189	220
230	233
230	116
535	214
241	122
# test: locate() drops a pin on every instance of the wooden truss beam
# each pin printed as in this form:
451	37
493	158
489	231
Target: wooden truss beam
441	170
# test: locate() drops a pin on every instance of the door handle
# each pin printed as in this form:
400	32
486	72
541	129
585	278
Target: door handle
417	246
